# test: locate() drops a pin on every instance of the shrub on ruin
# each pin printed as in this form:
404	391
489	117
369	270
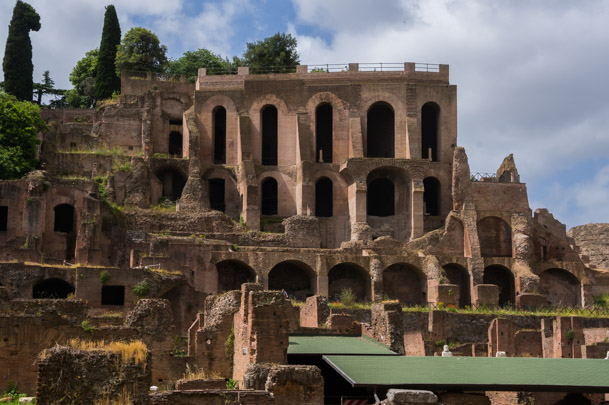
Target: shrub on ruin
140	50
104	277
347	297
141	289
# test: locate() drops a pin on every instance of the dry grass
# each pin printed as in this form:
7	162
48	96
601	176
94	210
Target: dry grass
135	350
124	398
198	374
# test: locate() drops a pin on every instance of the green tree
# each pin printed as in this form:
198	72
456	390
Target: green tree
47	86
20	122
278	51
83	80
107	81
140	50
17	63
190	63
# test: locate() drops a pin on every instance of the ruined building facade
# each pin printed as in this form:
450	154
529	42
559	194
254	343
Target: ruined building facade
312	182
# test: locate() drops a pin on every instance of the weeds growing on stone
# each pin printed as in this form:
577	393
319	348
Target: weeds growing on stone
135	350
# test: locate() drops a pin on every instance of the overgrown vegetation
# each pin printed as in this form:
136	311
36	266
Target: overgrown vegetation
135	350
141	289
104	276
12	393
347	297
229	348
193	373
602	301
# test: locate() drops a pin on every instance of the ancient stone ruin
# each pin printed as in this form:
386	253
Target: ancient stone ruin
215	221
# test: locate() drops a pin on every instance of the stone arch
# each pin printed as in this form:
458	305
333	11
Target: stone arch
561	288
173	107
324	197
52	288
380	130
401	141
495	237
503	278
223	192
406	283
293	276
233	273
286	203
340	203
457	274
206	117
349	276
284	142
269	197
172	181
340	124
219	134
430	130
389	193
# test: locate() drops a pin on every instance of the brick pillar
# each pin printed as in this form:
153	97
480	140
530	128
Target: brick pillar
357	201
417	208
568	337
501	337
305	190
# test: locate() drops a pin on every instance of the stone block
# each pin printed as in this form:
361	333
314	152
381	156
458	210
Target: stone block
486	294
201	384
447	294
407	397
530	300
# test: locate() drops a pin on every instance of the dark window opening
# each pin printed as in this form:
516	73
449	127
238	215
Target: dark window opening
269	197
430	114
175	143
216	194
64	218
113	295
347	276
459	276
175	122
173	184
73	145
380	138
3	218
380	198
269	135
323	133
323	197
231	274
402	282
431	196
293	277
503	278
52	288
219	124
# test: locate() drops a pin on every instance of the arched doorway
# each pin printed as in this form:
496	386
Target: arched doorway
431	196
561	288
404	282
173	183
219	131
495	237
52	288
380	134
233	273
269	197
269	122
175	144
348	276
458	275
430	122
295	277
323	133
503	278
324	197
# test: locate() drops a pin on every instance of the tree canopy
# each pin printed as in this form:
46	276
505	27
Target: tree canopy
83	80
106	80
17	63
278	51
20	122
190	63
140	50
47	86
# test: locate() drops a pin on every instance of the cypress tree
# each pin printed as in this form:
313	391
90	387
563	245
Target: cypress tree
107	81
17	63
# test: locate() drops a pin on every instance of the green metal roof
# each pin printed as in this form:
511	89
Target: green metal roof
300	345
475	373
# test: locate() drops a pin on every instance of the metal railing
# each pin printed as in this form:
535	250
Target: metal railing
480	176
381	67
328	68
427	67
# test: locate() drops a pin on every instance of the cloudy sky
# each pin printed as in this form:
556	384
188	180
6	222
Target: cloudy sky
532	76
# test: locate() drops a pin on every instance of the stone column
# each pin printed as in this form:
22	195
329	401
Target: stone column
376	279
416	208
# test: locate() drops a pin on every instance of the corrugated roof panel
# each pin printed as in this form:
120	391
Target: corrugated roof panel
336	345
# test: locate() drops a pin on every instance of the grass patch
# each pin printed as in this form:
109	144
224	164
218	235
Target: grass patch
193	373
135	350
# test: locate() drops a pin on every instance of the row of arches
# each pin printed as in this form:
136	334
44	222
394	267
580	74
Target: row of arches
401	281
380	135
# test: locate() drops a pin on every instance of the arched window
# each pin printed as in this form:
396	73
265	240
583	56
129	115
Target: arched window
64	218
219	129
216	194
269	135
296	278
458	275
495	237
405	283
430	117
380	198
380	136
323	133
503	278
431	196
323	197
269	197
348	276
175	144
233	273
561	288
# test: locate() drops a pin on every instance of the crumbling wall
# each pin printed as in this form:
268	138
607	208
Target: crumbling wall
289	385
593	240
